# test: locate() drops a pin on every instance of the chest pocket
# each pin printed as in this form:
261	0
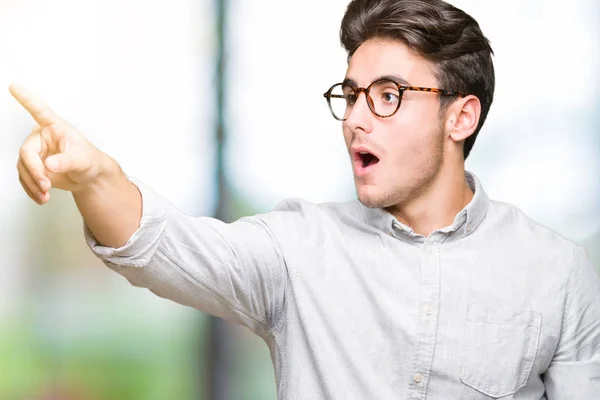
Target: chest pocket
499	349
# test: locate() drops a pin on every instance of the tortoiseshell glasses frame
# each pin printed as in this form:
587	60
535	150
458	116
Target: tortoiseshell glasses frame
350	95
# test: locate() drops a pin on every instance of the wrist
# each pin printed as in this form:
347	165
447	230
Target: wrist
107	170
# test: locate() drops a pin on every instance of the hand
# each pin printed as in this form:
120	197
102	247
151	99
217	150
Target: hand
55	154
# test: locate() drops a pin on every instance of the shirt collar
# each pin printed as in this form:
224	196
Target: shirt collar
477	207
469	217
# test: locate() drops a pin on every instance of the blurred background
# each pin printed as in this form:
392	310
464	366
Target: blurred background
154	83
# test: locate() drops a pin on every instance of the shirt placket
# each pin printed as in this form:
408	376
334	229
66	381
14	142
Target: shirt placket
428	318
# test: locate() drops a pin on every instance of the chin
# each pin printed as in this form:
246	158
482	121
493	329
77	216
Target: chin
371	197
376	196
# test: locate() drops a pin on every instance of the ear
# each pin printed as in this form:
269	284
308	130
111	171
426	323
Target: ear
462	117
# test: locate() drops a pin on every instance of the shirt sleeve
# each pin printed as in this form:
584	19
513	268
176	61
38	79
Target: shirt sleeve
574	372
230	270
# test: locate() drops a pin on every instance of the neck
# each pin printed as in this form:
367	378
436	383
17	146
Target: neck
438	204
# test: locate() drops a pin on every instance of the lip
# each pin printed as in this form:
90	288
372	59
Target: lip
359	170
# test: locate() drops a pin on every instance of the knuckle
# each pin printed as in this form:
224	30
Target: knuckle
22	152
58	128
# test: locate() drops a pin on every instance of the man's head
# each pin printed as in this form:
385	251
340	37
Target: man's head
422	43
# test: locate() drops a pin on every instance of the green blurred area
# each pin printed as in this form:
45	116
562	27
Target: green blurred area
139	363
151	366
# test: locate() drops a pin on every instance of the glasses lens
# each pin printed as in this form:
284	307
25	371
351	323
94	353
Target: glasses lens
341	100
385	97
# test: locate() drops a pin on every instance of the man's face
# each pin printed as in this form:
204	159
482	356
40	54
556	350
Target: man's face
408	146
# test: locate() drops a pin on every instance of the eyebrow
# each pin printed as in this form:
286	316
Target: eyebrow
391	77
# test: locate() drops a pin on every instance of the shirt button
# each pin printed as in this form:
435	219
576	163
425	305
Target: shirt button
418	378
428	310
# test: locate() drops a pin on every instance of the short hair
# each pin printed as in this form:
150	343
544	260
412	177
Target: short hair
439	32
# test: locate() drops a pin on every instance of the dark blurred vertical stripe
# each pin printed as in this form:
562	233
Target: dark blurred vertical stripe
218	347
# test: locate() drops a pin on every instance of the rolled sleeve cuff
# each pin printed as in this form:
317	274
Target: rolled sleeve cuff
142	245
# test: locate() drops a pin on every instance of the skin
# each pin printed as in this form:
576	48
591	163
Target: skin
56	155
420	176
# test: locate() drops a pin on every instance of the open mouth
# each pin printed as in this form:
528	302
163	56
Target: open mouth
366	159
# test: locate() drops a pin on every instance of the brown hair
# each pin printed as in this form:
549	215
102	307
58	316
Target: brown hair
439	32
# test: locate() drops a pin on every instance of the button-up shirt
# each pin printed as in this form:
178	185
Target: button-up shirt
353	304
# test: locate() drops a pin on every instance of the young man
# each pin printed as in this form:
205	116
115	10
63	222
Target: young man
424	288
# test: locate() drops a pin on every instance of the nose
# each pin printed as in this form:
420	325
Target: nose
360	116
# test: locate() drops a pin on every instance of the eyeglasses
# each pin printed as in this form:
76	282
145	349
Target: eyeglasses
383	97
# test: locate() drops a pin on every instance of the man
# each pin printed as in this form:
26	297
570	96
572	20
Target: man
424	288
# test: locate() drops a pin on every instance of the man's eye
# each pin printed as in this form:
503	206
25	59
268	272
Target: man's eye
390	97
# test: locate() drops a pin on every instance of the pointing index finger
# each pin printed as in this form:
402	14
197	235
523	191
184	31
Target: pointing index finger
40	112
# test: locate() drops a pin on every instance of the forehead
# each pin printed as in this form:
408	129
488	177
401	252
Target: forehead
380	57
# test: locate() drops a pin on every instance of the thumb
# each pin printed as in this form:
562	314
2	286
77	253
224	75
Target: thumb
59	163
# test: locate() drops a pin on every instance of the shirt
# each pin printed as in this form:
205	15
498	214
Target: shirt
353	304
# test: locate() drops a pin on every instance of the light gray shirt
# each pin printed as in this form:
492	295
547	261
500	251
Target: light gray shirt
354	305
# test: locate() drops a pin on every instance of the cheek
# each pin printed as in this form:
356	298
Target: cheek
411	140
347	134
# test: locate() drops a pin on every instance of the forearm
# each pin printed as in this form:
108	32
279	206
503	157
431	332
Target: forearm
111	206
